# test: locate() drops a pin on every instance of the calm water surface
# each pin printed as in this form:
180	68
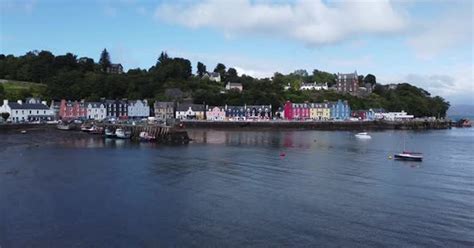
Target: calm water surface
231	188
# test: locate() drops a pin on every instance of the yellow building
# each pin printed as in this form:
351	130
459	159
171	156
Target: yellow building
320	111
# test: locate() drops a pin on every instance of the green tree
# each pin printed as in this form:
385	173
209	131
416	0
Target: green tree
104	60
162	59
201	69
5	115
2	91
370	79
360	80
231	75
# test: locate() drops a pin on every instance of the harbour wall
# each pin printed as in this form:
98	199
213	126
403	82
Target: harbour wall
320	125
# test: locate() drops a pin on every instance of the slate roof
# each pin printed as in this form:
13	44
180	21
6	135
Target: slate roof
94	104
38	106
194	107
163	105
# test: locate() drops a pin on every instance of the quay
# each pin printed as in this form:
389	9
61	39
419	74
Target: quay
321	125
162	134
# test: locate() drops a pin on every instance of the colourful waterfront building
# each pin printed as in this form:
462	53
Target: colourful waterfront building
116	109
296	111
258	112
188	111
320	111
234	113
215	113
340	110
69	110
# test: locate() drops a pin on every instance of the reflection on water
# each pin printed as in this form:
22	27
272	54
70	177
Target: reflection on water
232	188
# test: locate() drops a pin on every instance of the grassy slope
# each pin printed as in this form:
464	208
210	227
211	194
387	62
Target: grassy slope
15	90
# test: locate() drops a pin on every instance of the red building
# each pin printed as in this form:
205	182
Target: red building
72	110
296	111
360	114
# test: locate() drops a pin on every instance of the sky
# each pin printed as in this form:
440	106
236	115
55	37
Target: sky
426	43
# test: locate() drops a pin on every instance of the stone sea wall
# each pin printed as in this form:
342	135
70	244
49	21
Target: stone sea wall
320	125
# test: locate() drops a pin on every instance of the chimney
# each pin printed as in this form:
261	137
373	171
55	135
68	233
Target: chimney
5	102
19	102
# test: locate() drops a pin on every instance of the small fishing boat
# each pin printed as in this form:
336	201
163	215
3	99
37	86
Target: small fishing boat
97	130
466	123
23	131
122	134
145	136
63	126
109	133
87	129
363	135
409	156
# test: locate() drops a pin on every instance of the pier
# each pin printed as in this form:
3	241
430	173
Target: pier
162	134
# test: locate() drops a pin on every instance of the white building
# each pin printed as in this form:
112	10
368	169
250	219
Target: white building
190	111
138	109
314	86
234	86
27	112
213	76
96	111
396	116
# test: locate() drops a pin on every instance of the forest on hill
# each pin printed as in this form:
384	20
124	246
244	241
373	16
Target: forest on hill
67	76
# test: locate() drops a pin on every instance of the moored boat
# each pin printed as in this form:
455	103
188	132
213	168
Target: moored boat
363	135
87	128
109	133
96	130
63	126
409	156
122	134
145	136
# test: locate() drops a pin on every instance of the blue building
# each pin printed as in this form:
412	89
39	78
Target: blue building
340	110
235	112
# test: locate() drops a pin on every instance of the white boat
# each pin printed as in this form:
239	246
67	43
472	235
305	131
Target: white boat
63	126
109	133
145	136
122	134
363	135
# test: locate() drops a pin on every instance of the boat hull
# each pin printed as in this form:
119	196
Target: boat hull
406	157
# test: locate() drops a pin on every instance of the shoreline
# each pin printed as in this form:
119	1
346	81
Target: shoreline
317	125
281	125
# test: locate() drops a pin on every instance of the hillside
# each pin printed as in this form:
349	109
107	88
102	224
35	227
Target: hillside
21	90
69	77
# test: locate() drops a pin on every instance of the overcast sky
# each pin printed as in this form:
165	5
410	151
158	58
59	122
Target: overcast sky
427	43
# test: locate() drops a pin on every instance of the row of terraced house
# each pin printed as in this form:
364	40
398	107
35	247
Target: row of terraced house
188	111
35	110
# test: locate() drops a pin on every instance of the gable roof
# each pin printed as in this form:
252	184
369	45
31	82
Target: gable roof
36	106
194	107
94	104
163	104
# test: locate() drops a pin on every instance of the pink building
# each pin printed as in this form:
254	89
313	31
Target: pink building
72	110
215	113
296	111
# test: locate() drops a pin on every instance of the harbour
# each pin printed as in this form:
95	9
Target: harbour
72	189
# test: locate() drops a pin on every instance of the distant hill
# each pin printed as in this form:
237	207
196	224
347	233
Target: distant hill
15	90
461	110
